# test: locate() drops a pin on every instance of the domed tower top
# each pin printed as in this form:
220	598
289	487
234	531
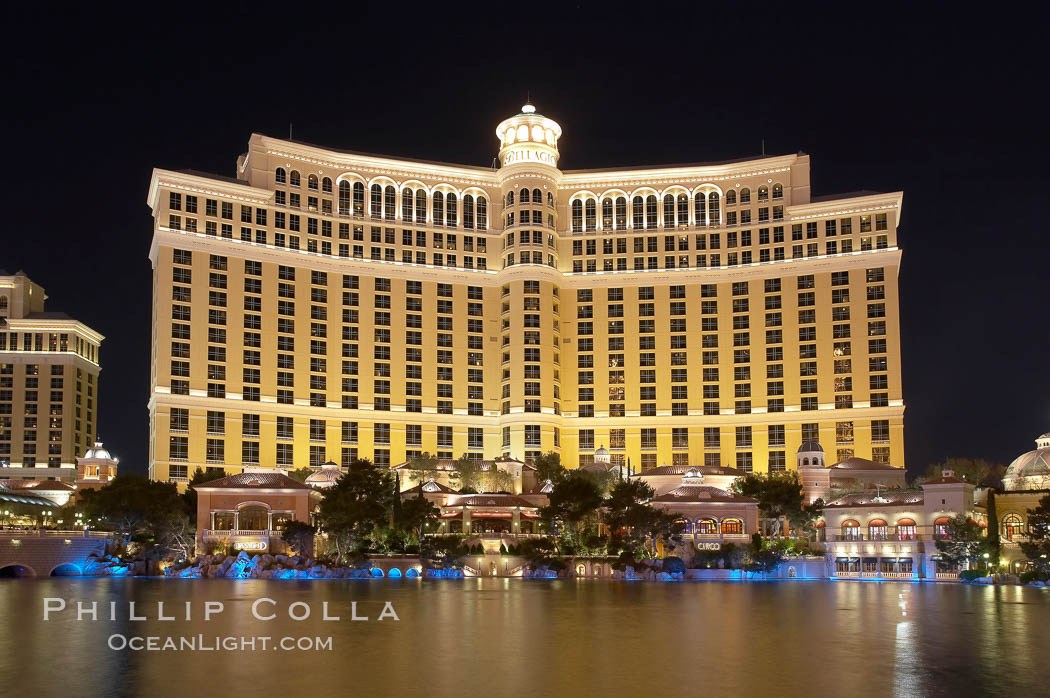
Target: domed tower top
810	454
1031	470
528	137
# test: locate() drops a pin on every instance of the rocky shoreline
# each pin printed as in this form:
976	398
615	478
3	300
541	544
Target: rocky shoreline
293	567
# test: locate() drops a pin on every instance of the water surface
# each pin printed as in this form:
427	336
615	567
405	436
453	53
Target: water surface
510	637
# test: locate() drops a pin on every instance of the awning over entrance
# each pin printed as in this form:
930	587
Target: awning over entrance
7	496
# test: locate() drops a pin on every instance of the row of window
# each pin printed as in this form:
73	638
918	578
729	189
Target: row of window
48	341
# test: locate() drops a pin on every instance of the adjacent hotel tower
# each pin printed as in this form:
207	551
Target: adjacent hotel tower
327	304
49	367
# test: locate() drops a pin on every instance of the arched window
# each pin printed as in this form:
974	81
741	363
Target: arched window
524	196
421	206
468	211
621	213
253	518
940	527
406	204
450	210
686	526
851	530
390	202
280	177
359	199
763	193
683	210
706	527
577	216
637	213
537	196
745	196
591	215
778	191
439	208
714	216
1013	526
311	182
607	214
326	185
376	203
550	199
906	529
293	178
650	211
668	210
483	214
877	529
732	527
3	302
700	208
731	197
344	198
510	198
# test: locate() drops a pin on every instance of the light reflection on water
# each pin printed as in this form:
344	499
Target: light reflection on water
504	637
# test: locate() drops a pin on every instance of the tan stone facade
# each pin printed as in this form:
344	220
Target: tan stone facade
49	381
249	510
328	305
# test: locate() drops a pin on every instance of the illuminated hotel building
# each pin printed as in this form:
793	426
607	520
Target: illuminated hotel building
326	304
49	366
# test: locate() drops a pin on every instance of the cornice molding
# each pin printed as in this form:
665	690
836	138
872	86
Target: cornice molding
374	163
678	174
164	236
208	186
398	419
846	207
54	324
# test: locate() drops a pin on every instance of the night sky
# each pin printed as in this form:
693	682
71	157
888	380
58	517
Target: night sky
943	106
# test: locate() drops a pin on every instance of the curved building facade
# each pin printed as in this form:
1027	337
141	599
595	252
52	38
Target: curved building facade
325	305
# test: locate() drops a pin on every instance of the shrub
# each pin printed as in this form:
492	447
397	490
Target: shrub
1034	576
503	549
970	575
625	560
730	555
673	565
536	548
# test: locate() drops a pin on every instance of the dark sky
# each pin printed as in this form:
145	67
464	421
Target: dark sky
943	103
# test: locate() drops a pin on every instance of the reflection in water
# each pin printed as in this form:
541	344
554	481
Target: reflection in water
502	637
906	668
